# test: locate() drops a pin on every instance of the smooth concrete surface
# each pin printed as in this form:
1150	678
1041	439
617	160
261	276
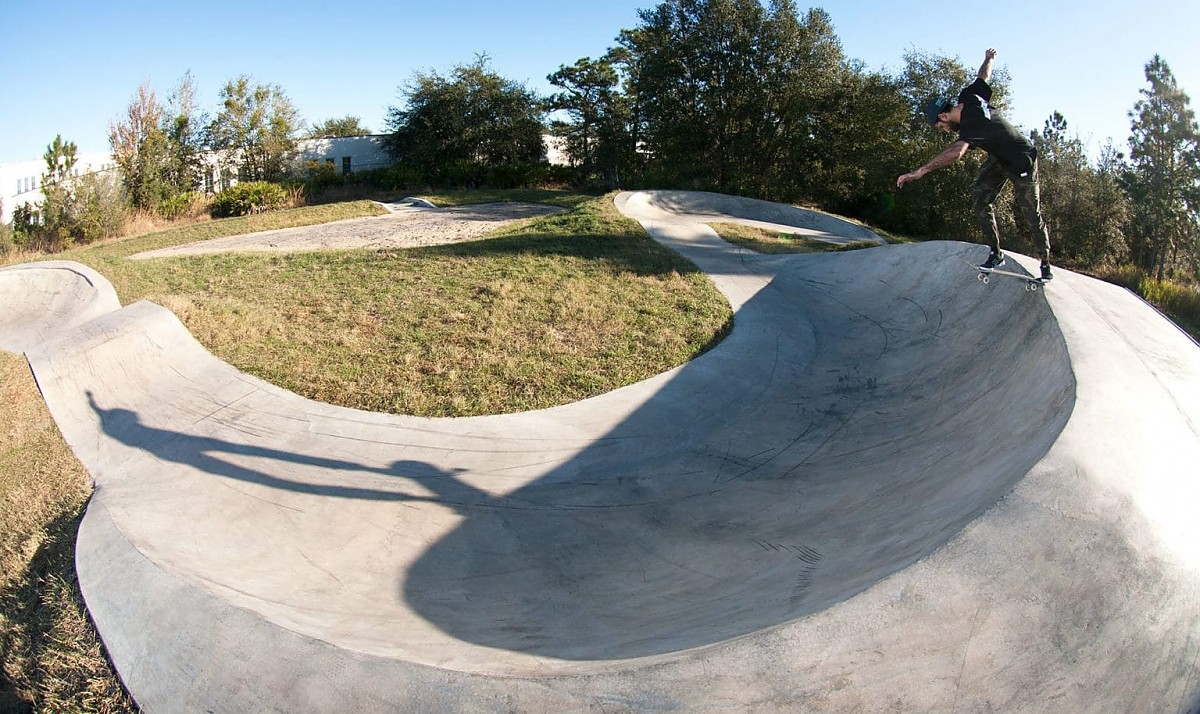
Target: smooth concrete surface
890	487
39	301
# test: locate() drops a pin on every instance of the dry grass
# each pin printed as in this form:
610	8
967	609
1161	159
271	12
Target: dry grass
50	656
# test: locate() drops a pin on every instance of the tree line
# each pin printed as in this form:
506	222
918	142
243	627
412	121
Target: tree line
734	96
737	97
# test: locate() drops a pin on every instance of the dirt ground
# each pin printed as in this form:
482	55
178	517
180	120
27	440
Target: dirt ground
404	228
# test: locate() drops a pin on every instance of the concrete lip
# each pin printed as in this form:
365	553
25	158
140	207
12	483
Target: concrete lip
46	299
890	485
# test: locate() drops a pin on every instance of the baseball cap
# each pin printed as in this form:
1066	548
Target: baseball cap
936	106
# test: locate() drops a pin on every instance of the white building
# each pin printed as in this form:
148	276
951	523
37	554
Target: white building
21	181
350	154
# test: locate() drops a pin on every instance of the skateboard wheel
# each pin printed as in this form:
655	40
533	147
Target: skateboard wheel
984	278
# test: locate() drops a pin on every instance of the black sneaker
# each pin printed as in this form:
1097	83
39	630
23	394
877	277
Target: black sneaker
995	260
1046	274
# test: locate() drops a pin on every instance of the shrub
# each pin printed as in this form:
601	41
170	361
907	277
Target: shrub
179	205
250	197
1181	302
99	210
7	244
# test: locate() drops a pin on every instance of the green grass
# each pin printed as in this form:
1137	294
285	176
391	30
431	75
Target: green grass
542	313
764	240
1179	302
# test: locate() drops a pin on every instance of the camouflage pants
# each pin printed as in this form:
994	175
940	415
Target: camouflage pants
987	187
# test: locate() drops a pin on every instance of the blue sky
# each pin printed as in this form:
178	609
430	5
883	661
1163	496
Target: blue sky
70	67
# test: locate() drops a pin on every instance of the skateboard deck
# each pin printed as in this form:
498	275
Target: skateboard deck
1031	282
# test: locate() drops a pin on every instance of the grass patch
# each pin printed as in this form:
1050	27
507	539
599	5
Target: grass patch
1177	301
544	312
469	197
765	240
50	655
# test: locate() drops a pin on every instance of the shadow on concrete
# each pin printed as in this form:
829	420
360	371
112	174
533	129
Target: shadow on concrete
860	416
214	457
910	412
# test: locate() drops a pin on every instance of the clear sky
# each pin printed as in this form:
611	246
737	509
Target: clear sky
71	66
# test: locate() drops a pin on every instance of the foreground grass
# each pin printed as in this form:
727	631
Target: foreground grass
50	657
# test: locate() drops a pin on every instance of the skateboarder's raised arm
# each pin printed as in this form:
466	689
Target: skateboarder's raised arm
953	153
985	69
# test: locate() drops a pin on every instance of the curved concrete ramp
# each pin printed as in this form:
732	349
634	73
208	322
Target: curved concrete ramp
704	207
890	486
42	300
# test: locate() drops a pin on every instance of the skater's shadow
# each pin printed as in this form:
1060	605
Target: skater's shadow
218	457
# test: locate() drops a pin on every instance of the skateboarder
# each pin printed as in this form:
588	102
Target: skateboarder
1011	157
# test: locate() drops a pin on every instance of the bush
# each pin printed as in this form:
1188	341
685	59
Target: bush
250	197
179	205
1180	302
7	244
99	210
87	209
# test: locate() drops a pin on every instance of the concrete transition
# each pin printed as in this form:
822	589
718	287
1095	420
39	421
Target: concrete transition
891	486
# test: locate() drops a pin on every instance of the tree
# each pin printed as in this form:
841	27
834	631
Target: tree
939	205
734	96
462	127
159	149
140	149
57	191
1163	180
254	130
184	123
346	126
597	136
697	83
1083	207
75	207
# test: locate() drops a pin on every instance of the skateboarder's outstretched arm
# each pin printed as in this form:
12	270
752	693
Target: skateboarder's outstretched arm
985	69
953	153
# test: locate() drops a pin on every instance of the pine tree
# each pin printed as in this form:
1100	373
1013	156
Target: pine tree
1163	179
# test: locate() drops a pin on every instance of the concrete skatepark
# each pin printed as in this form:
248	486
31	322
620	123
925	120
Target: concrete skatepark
890	487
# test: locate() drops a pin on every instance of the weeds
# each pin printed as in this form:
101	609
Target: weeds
1178	301
50	656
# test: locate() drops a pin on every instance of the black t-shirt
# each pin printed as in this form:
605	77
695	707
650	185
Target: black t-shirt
984	129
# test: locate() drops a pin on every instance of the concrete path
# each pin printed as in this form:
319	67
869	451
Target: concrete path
891	486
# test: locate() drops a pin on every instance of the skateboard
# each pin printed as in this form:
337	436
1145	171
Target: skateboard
1031	282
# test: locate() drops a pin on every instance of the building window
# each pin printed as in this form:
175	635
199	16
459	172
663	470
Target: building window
345	164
